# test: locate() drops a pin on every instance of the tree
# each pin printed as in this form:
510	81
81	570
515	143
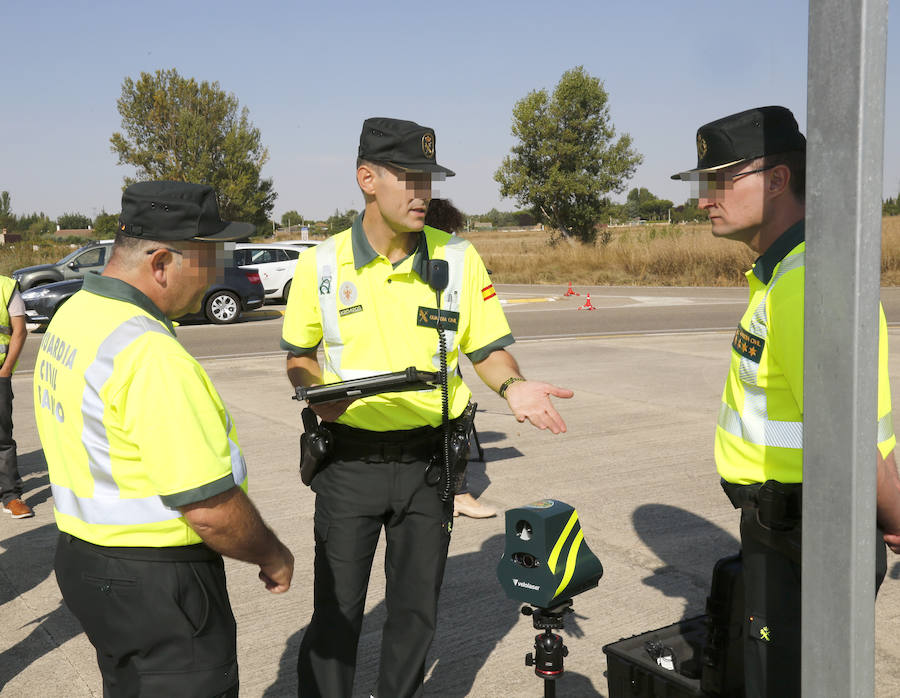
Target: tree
291	218
689	211
566	162
341	221
175	128
643	204
73	221
7	219
106	225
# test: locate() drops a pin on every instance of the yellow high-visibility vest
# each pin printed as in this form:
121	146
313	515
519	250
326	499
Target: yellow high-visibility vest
377	317
759	431
130	423
7	288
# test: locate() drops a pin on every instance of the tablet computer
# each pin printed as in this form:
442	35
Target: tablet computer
399	381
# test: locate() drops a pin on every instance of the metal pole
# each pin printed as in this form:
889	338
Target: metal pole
845	129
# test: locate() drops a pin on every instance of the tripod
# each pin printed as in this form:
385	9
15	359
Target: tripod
549	650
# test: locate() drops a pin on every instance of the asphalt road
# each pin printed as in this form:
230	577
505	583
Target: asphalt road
636	462
534	312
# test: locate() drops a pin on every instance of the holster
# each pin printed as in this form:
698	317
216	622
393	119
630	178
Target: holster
460	429
316	446
778	505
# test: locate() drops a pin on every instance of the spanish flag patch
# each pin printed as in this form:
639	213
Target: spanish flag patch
488	292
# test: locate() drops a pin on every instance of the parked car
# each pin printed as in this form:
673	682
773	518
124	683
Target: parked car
223	303
90	259
275	261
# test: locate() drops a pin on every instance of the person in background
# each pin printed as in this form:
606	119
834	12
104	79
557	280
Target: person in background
12	338
443	215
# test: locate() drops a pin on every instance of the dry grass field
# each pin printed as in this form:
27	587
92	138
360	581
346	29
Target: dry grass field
661	255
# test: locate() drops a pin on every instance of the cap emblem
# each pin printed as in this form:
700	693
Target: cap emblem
701	147
428	145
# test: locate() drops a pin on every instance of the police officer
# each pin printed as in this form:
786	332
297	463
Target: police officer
363	295
12	338
751	176
148	479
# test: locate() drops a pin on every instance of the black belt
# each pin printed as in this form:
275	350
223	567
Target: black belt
401	446
180	553
776	502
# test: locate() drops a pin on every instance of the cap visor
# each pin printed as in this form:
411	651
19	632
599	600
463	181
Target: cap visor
232	231
434	169
692	174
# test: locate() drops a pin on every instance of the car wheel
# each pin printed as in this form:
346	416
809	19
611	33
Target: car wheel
286	292
223	308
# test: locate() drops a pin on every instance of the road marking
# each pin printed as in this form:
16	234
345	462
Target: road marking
505	301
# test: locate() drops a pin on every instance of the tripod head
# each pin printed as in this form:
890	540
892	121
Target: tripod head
549	650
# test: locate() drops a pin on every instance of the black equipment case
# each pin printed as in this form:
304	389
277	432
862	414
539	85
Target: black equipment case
707	650
632	673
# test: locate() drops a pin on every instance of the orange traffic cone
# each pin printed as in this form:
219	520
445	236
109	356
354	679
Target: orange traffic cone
587	304
571	291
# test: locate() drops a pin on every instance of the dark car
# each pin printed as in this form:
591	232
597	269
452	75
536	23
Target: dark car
223	303
90	259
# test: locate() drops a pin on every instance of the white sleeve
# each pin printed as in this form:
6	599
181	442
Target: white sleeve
16	305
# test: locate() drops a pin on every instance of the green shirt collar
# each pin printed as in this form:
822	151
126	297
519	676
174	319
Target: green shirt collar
764	266
363	253
121	291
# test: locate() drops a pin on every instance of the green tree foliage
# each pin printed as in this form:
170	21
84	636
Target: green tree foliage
106	225
291	218
891	207
689	212
566	161
506	219
7	218
73	221
176	128
36	224
341	221
644	205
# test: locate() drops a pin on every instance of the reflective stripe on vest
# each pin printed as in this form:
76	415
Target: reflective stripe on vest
455	254
106	505
753	424
326	269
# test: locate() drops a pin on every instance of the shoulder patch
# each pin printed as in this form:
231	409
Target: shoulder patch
748	345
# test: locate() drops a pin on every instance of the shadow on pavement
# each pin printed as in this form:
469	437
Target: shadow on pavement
30	556
474	616
688	546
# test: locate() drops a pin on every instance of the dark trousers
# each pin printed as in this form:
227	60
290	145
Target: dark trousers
354	500
10	482
772	606
160	628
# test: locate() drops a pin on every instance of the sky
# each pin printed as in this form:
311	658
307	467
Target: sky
310	72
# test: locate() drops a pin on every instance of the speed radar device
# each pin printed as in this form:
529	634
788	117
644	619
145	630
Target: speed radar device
546	558
545	563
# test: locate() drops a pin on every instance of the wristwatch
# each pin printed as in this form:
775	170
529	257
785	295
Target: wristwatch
508	382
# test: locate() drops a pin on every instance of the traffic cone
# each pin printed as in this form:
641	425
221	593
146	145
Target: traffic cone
587	304
571	291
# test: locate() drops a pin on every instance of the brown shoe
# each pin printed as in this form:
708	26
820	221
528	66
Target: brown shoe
18	509
467	505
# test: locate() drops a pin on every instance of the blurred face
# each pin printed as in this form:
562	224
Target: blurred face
402	198
199	265
734	198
